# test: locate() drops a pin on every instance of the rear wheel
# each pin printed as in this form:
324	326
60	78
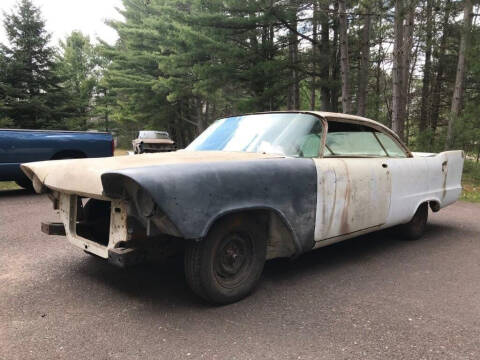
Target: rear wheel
416	227
226	265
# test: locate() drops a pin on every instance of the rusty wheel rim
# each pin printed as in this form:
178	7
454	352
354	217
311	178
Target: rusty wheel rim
233	259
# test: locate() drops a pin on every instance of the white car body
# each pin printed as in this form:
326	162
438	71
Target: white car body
373	197
354	195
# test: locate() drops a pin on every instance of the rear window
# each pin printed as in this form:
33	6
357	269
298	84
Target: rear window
346	139
392	148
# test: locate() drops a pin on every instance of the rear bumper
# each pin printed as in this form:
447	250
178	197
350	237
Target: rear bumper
53	228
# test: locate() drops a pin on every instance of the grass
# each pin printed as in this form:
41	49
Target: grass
8	185
470	179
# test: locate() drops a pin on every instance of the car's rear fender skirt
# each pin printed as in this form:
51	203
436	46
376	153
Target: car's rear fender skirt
194	195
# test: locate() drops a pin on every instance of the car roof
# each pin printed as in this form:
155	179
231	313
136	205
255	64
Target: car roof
333	116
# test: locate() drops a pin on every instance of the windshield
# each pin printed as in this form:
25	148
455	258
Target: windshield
287	134
149	134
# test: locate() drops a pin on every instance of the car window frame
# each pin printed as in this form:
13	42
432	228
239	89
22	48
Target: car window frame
326	117
373	127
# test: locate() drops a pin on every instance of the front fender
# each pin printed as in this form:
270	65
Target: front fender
194	195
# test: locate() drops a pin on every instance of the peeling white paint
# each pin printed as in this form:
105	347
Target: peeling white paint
352	194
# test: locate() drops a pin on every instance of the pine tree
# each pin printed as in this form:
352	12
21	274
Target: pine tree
78	69
29	83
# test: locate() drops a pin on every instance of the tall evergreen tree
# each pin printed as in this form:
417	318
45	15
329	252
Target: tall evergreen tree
30	85
181	63
79	70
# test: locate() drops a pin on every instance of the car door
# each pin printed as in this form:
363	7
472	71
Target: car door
353	182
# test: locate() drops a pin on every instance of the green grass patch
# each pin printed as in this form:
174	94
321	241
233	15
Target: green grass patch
471	181
8	185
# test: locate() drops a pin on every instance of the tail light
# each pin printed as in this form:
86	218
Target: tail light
113	146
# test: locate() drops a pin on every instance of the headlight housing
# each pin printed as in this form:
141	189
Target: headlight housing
145	204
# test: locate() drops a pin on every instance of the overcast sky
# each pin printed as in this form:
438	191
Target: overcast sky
64	16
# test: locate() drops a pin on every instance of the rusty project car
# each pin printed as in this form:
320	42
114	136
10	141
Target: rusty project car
248	189
150	141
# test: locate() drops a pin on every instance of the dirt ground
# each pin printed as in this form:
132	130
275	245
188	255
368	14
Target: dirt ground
374	297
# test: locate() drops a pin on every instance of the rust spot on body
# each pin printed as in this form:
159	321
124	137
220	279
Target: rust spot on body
324	197
445	171
345	222
332	214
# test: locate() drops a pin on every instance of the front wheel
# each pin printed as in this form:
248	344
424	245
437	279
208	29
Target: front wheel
225	266
416	227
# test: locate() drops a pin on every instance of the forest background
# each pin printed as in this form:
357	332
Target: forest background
178	65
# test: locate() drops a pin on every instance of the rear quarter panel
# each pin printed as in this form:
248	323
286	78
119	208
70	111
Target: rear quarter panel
445	176
423	178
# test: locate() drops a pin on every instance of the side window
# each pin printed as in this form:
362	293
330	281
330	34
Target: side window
392	148
309	144
347	139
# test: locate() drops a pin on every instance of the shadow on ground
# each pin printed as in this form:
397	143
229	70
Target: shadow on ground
15	192
164	284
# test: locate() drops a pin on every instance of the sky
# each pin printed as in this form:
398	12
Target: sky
63	16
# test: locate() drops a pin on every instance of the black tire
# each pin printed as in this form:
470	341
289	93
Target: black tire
416	227
26	184
226	265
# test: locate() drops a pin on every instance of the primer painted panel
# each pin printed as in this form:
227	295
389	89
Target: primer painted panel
353	195
193	196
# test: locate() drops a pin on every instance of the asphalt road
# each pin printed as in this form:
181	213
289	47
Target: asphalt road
374	297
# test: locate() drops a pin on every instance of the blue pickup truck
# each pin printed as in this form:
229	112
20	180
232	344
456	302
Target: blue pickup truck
21	146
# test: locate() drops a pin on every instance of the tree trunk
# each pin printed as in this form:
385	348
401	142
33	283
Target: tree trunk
461	68
294	88
412	68
407	55
200	117
335	78
314	56
344	61
325	61
364	64
378	70
294	91
427	70
440	71
398	109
